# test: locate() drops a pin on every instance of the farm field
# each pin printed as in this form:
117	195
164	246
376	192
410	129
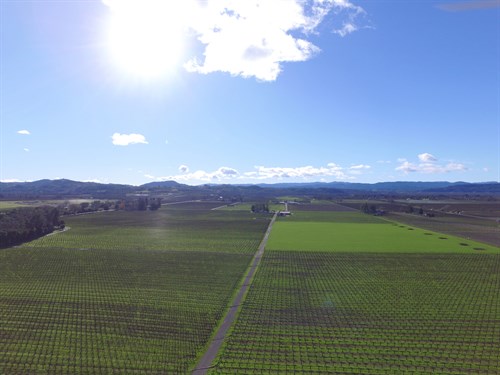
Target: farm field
175	227
122	292
477	220
484	230
356	232
8	205
486	209
387	307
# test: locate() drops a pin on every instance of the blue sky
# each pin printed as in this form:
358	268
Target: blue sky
250	91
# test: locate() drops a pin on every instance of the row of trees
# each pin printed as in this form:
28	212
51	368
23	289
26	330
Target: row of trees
129	204
260	207
85	207
141	204
368	209
28	223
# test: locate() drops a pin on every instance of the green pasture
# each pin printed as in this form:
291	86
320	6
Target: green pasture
8	205
247	207
354	217
355	232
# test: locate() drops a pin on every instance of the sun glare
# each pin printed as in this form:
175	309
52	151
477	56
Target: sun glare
147	43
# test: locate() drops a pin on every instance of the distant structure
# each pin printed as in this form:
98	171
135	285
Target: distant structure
286	212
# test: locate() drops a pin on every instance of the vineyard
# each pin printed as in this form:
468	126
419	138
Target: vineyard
176	227
337	291
122	292
321	305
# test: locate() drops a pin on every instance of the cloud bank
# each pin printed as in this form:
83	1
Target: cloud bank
429	164
251	38
127	139
331	171
264	173
24	132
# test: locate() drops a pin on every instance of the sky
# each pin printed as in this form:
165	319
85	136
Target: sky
253	91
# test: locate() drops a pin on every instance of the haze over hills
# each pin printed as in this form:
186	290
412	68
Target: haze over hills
66	188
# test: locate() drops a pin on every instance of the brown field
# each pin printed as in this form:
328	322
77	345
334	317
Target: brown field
482	230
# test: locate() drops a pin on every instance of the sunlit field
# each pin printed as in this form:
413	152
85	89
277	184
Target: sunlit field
122	292
343	292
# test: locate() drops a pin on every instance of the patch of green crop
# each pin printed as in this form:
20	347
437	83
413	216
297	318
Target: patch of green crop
332	217
237	207
364	237
383	313
8	205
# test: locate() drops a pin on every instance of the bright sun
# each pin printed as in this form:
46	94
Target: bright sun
147	43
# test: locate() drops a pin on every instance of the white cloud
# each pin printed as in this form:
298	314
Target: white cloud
11	180
331	171
346	29
250	38
225	171
26	149
221	174
360	166
351	13
127	139
183	168
24	132
306	172
407	167
358	169
426	157
428	165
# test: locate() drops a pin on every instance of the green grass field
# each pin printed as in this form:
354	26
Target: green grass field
122	292
248	207
9	205
356	232
344	292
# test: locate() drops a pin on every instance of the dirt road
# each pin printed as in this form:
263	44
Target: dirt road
206	361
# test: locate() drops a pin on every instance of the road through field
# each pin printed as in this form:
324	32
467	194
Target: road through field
206	361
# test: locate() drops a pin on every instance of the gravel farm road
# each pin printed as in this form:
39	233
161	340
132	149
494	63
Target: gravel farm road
206	361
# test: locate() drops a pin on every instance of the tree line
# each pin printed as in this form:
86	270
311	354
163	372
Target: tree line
28	223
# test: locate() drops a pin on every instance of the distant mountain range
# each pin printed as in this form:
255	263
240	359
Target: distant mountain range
398	186
62	188
67	188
